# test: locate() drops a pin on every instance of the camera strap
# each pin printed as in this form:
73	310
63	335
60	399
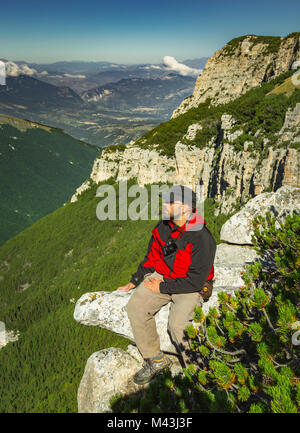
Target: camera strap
182	230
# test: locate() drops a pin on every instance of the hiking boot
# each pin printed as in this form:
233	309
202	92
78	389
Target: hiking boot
151	367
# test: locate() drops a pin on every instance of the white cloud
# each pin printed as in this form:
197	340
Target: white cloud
27	71
74	76
171	64
151	67
14	70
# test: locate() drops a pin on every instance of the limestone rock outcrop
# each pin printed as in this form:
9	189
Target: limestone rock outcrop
7	336
240	65
109	372
291	128
238	229
86	184
228	176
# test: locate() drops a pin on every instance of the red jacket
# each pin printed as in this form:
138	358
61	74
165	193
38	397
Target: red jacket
187	269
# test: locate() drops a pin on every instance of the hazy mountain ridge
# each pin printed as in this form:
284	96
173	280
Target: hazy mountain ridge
82	76
33	95
124	118
141	92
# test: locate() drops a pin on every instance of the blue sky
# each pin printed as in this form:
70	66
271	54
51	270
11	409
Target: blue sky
132	31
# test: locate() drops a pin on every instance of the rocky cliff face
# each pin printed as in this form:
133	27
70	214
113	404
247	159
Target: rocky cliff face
243	63
227	175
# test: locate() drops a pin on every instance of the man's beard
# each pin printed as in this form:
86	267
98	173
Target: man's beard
175	216
167	215
178	216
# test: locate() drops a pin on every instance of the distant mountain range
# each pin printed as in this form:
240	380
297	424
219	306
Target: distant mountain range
31	94
82	76
84	67
141	92
136	99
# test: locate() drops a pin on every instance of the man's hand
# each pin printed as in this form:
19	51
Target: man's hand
127	287
153	284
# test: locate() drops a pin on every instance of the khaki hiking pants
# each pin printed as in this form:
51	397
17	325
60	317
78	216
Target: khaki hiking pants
141	308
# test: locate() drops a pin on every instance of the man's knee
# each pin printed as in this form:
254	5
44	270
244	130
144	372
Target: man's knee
177	327
131	305
135	305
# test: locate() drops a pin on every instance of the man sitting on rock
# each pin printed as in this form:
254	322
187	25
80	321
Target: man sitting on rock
177	267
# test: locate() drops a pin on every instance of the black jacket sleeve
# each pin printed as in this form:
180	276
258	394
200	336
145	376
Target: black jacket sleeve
138	276
202	257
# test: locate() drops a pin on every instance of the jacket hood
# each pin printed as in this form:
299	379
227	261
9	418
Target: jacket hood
196	222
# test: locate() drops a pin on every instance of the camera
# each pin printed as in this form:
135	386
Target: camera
170	248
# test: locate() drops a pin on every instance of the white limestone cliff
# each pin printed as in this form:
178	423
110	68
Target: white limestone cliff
240	66
228	175
238	229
